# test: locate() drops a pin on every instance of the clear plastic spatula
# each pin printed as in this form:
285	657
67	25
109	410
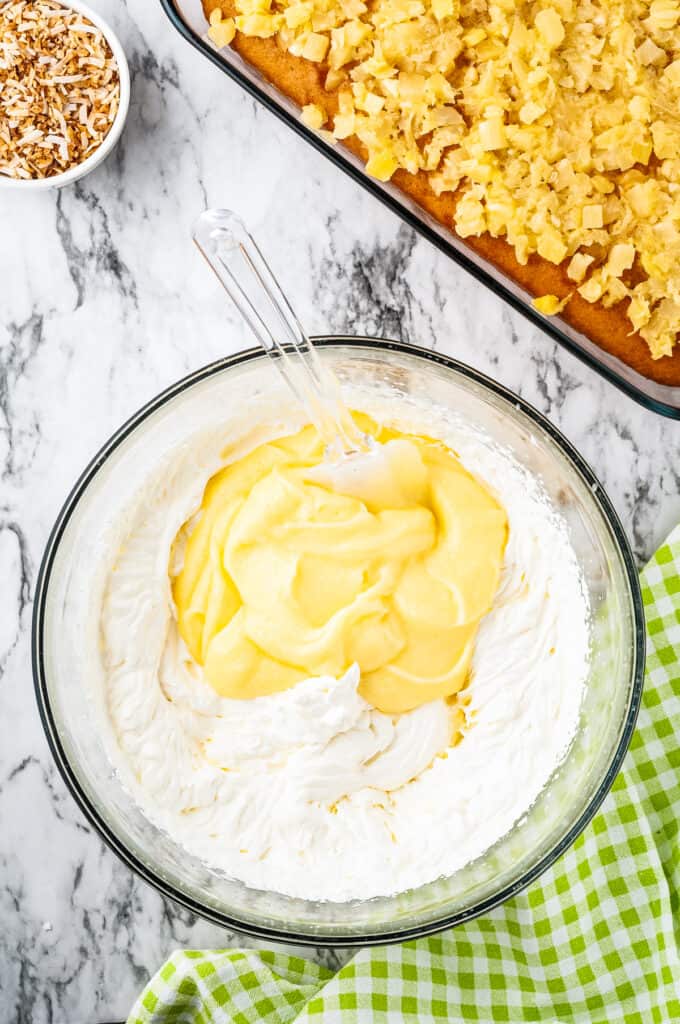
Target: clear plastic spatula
235	257
355	463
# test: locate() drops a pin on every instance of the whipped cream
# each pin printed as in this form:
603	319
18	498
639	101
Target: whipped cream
312	792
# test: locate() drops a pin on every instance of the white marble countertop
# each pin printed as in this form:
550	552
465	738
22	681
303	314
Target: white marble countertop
104	302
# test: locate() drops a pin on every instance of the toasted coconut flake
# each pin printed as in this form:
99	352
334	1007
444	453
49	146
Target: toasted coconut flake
59	88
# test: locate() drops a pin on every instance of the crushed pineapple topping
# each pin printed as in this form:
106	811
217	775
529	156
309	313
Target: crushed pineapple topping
557	122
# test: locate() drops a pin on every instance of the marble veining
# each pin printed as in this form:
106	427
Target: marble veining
104	302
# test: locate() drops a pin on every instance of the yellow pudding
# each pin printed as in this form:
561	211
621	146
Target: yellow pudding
284	578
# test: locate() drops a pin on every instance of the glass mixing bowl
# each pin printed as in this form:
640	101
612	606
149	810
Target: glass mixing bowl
73	715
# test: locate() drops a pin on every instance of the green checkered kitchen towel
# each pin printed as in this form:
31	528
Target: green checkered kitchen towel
595	941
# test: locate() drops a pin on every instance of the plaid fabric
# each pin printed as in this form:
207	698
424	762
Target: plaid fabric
595	941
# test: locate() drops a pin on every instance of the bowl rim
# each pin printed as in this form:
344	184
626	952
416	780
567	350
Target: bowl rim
114	132
390	933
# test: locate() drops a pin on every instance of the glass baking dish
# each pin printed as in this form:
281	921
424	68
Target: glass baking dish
187	17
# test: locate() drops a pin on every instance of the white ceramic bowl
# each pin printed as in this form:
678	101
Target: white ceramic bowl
114	133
